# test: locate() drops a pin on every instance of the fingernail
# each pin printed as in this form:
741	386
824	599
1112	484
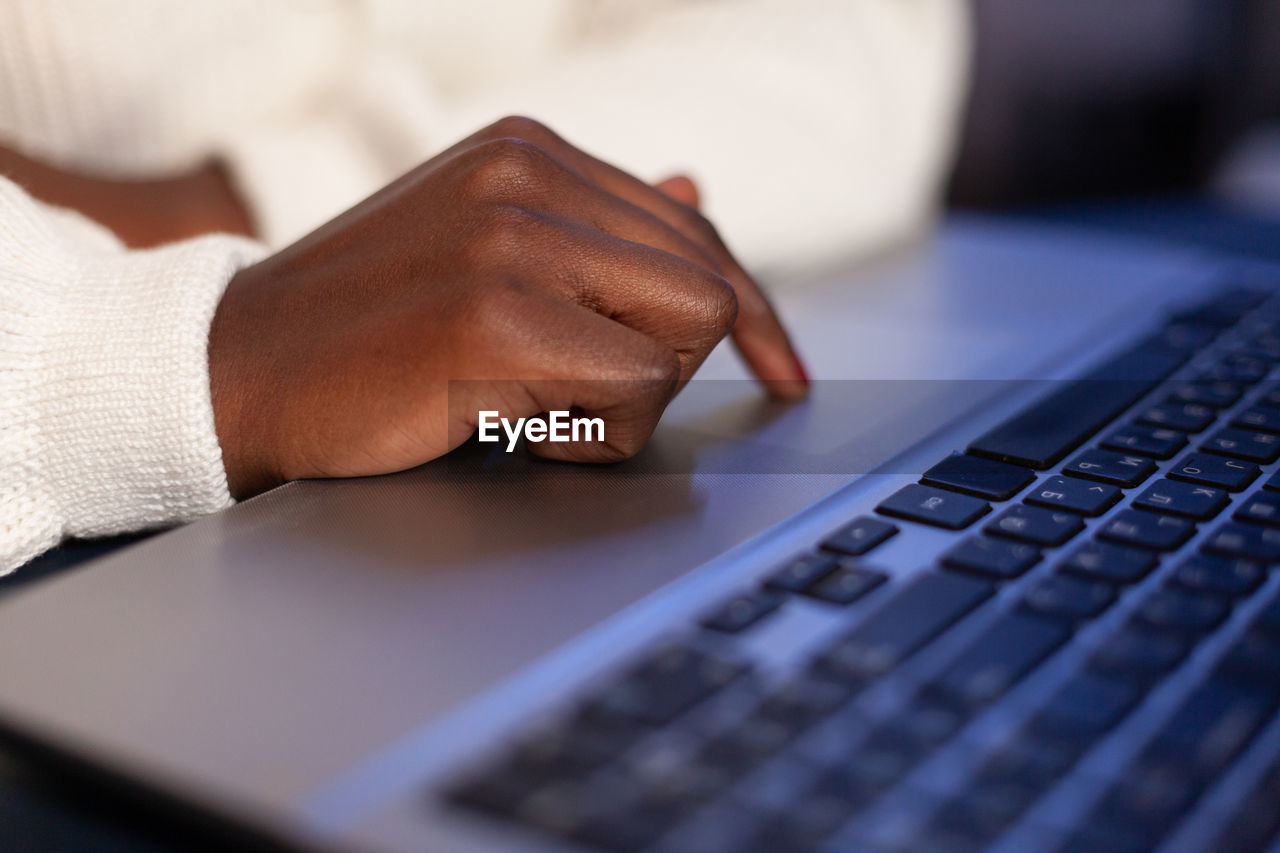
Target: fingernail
804	374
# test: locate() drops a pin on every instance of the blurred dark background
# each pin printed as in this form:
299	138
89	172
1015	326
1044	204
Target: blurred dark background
1095	99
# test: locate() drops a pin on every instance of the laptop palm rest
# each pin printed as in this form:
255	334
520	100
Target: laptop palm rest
249	657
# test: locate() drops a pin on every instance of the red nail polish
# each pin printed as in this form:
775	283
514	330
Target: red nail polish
804	374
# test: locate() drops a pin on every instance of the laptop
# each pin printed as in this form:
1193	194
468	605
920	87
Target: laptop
1003	582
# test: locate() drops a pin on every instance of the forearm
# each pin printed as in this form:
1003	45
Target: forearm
141	213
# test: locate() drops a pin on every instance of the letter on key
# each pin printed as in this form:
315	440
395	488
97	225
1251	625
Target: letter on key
928	505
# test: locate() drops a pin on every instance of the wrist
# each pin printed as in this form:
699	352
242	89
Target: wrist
204	202
235	378
142	213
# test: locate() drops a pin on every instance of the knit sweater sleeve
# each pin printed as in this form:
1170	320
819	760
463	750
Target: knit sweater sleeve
106	423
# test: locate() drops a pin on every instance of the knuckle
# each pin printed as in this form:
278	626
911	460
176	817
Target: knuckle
503	167
520	127
721	301
499	308
500	236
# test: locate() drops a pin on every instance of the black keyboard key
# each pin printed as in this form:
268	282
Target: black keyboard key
667	684
600	816
1261	418
1207	470
996	659
1184	499
859	536
817	810
1250	663
1245	365
981	812
742	611
1255	822
846	584
884	757
1218	575
1156	442
1181	612
1114	564
1215	395
721	828
1028	763
1262	509
983	478
803	700
939	508
928	724
497	790
1244	540
992	558
1104	466
1271	397
588	737
1065	597
1136	813
1138	653
812	818
1273	483
1146	530
1064	493
1210	728
802	572
1242	444
925	608
1038	526
938	837
1240	368
1268	618
1044	433
1187	417
1253	828
1086	706
1265	349
618	832
1190	335
1223	309
749	742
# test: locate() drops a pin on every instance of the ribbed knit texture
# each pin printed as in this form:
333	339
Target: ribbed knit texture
105	418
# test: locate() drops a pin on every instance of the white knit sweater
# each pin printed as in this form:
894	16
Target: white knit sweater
816	128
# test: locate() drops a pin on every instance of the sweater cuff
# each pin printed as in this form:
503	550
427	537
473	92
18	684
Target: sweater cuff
110	424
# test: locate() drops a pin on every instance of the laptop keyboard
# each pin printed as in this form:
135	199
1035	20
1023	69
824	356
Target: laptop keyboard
697	748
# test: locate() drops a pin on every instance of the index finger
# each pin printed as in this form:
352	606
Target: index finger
758	334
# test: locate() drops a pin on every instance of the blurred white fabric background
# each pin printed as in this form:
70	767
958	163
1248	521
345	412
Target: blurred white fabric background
817	129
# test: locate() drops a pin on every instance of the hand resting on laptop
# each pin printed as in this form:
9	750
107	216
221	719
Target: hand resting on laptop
544	278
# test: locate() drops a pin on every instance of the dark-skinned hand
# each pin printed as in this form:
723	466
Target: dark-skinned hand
512	272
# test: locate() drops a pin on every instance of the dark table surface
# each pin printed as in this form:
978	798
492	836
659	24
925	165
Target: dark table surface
45	813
